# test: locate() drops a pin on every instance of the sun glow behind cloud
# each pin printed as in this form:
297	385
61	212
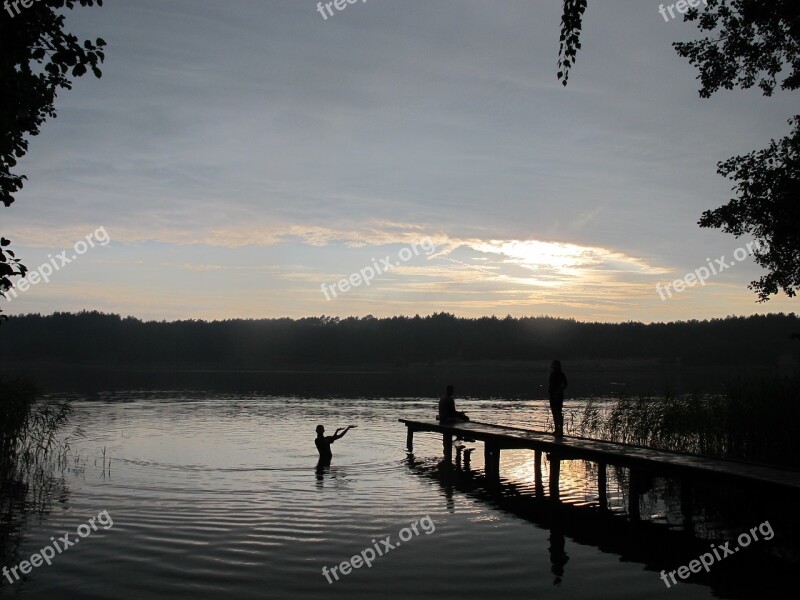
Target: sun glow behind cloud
553	264
279	271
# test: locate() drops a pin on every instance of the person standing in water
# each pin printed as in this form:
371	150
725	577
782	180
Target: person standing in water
323	442
556	387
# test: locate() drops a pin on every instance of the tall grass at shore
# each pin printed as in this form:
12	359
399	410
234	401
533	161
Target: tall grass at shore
30	447
753	420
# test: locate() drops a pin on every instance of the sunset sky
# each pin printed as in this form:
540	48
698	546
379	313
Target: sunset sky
242	155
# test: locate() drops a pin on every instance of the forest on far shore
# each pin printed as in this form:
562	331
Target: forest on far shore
98	339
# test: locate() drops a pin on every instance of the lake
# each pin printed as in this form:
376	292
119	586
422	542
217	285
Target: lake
218	495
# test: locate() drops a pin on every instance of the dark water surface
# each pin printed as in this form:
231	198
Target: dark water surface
516	380
218	496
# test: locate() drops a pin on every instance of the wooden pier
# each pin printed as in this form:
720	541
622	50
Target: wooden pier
642	462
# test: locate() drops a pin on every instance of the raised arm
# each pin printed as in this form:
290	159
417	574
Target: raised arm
338	435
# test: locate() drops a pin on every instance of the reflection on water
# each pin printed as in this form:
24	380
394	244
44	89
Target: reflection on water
219	495
654	538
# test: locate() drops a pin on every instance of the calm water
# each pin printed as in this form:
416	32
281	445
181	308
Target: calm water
216	496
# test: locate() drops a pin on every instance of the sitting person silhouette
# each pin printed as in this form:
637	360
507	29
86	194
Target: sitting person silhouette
323	442
447	408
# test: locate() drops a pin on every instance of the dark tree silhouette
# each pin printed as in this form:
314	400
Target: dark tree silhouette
752	42
749	42
571	23
103	340
768	208
37	59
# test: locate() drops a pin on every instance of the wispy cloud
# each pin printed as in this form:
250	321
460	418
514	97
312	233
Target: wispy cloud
240	157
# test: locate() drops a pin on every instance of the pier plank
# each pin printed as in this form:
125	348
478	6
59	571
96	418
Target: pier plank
664	462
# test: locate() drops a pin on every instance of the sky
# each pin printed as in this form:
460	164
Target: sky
254	158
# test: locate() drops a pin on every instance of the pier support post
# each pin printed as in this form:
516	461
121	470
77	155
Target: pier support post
601	486
537	473
410	440
491	455
447	444
467	453
555	476
686	505
634	495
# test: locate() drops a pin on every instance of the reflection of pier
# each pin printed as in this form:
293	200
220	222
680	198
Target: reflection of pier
653	545
643	463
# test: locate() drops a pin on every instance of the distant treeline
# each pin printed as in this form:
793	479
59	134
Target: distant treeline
93	338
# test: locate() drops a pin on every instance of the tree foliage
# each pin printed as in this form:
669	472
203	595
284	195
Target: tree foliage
756	42
768	208
751	42
38	58
570	42
747	43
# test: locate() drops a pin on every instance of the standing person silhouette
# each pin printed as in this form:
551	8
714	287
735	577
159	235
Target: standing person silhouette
556	387
323	442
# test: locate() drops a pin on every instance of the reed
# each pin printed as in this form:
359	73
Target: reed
31	449
753	420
